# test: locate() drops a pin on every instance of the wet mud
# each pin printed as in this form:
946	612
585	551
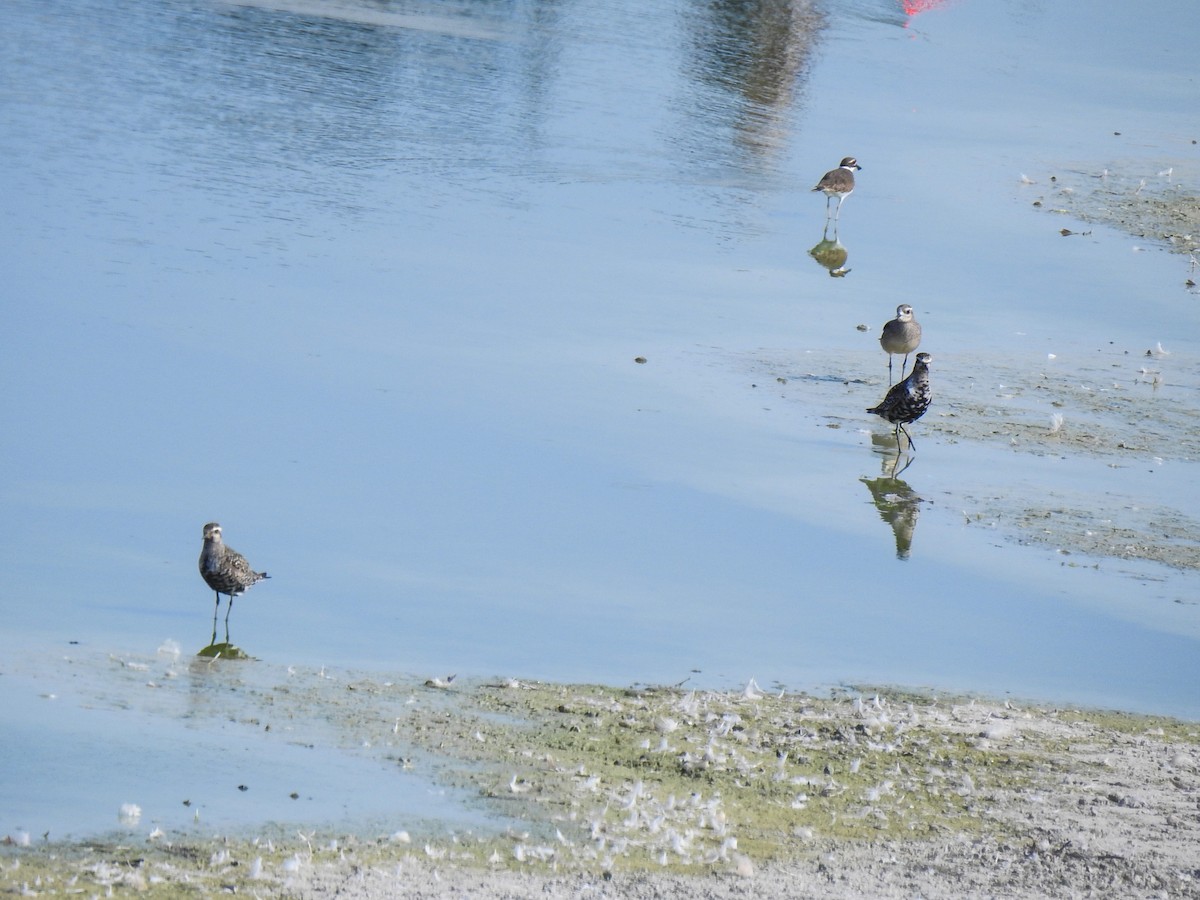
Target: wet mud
1160	204
632	791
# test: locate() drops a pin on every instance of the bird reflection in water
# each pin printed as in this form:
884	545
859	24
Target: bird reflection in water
898	505
831	253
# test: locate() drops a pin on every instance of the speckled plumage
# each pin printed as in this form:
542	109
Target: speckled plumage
838	183
225	571
907	401
900	335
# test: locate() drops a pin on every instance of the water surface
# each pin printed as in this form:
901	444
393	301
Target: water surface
366	283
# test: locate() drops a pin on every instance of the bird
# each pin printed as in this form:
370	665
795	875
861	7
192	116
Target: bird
838	183
900	335
907	401
225	571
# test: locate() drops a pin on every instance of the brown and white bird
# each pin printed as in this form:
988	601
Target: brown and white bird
907	401
838	183
225	571
900	335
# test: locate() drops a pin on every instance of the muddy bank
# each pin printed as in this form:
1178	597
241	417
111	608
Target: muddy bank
653	791
1159	203
1125	408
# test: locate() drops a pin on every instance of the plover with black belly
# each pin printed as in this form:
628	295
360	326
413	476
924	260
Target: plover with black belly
907	401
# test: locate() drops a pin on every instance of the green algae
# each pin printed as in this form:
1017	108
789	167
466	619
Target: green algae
666	777
223	651
597	779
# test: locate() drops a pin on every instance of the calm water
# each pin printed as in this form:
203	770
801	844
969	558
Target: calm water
367	286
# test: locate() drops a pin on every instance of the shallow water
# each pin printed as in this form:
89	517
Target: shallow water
198	748
366	286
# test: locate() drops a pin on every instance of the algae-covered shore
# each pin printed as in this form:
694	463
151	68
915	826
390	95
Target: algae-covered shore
1152	202
661	791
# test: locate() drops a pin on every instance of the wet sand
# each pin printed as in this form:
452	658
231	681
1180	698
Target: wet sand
1158	203
650	792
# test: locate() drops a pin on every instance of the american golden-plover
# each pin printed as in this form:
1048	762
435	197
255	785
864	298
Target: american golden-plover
907	401
900	335
226	572
838	183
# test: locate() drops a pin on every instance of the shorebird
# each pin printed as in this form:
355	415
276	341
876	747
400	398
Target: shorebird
838	183
907	401
900	335
226	572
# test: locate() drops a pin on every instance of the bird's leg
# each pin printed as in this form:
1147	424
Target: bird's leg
890	382
911	445
216	609
228	610
905	366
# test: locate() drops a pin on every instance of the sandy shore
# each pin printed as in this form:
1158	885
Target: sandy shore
661	792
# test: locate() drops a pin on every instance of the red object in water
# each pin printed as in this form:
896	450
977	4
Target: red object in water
913	7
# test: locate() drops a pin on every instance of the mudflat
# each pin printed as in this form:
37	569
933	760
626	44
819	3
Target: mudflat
666	791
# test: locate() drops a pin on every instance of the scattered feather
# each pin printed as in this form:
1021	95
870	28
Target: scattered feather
129	814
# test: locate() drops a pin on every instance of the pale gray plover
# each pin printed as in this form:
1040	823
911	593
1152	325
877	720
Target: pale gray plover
907	401
226	572
838	183
900	335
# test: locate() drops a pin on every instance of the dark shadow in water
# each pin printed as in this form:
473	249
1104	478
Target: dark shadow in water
898	505
756	54
320	100
293	101
831	253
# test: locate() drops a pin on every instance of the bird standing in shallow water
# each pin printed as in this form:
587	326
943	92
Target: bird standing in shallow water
838	183
907	401
225	571
900	335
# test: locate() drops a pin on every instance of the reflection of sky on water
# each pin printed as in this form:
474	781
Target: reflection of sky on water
369	296
211	749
